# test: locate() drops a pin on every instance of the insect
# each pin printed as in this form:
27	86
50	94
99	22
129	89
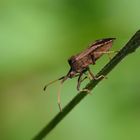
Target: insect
79	63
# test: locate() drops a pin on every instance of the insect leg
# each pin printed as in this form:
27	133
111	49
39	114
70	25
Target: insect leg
79	81
109	56
89	76
92	75
93	58
107	52
59	91
58	97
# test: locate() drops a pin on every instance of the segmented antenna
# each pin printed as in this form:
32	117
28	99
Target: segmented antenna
53	82
63	78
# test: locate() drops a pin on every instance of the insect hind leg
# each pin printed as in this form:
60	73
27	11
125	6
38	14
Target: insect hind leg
106	52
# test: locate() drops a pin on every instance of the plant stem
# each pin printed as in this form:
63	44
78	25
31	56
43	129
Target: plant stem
130	47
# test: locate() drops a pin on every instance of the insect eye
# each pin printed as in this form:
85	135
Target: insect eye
71	60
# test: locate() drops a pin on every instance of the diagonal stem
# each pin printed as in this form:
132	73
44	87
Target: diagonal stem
130	47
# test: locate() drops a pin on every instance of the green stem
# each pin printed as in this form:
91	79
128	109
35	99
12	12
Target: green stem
130	47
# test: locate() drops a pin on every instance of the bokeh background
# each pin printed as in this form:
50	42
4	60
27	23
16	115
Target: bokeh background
36	39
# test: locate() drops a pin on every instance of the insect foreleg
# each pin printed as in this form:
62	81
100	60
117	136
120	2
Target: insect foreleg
79	81
59	91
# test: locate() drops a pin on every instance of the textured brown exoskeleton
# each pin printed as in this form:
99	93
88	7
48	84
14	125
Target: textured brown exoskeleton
79	64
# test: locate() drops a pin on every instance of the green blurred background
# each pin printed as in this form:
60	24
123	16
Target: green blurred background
36	39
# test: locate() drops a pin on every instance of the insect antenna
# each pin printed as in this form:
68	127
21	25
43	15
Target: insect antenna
63	78
51	82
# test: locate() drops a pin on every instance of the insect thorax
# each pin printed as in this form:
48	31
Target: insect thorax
79	65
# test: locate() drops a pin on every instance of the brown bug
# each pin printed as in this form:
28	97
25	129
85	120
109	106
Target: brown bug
79	64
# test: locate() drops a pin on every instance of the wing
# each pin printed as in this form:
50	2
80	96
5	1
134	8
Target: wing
95	46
